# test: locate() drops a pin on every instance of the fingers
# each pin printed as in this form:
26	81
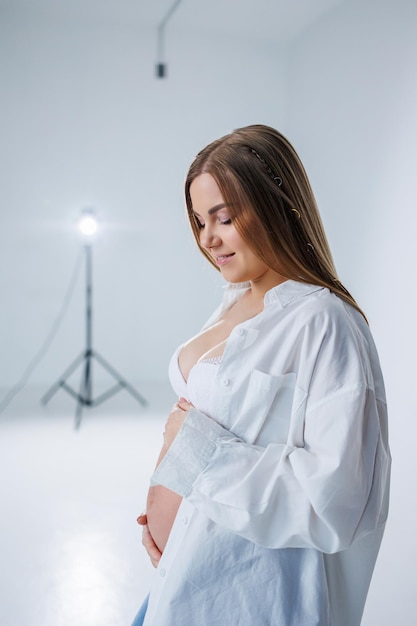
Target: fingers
147	540
184	404
151	547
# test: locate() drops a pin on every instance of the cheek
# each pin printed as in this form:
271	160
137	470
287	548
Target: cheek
259	264
236	240
255	263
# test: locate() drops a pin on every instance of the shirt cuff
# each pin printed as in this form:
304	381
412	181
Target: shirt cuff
189	453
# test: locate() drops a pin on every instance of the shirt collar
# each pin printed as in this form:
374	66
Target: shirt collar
285	293
289	291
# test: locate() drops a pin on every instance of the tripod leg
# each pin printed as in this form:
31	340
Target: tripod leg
88	395
78	414
84	397
52	390
122	382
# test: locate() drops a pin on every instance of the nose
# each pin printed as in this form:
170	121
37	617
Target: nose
209	238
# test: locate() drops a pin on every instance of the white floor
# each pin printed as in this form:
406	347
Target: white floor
70	548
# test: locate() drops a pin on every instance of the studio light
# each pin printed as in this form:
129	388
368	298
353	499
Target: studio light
88	224
88	227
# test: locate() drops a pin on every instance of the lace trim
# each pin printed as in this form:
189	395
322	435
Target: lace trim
214	360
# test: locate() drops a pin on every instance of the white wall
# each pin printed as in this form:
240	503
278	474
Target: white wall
352	102
85	122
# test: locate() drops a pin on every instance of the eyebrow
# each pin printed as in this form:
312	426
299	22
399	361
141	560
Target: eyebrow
216	208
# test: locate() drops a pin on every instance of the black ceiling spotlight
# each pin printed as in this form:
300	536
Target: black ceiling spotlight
161	68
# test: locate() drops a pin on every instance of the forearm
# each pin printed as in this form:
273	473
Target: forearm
270	495
162	503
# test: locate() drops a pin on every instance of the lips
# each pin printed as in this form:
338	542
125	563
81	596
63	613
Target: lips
222	259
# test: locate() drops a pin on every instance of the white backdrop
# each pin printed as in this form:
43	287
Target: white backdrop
352	89
85	122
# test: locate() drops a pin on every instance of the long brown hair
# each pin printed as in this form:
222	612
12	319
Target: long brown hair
271	203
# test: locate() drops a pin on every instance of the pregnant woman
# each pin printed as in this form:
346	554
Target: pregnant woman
269	500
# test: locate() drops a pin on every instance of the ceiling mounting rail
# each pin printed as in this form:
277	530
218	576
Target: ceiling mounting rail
161	65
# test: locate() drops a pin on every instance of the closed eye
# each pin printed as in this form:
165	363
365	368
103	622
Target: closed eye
223	222
197	221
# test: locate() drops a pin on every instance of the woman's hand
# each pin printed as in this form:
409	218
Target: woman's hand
148	542
175	420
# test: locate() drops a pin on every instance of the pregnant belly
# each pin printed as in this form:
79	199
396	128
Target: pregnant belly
161	508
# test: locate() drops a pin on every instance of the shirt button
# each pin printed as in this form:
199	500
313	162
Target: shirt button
226	382
162	572
241	332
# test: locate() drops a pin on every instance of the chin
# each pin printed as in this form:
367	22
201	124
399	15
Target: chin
235	280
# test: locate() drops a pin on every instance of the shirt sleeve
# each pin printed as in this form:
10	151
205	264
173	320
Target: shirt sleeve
324	495
324	489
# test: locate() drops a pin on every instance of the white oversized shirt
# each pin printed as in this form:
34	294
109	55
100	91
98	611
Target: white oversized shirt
285	489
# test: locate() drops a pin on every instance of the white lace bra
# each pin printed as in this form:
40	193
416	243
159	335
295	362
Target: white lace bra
200	389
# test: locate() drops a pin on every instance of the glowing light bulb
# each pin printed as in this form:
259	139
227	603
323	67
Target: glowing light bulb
88	224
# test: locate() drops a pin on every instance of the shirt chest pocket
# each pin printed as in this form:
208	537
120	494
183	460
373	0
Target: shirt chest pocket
270	409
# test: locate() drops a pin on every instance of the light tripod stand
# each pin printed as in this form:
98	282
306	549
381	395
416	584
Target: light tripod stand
85	395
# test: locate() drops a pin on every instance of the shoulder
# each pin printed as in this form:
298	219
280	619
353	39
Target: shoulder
340	342
319	321
307	304
334	322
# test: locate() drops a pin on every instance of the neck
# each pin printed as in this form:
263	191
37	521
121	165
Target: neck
264	283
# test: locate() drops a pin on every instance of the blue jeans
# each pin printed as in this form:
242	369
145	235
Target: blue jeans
138	621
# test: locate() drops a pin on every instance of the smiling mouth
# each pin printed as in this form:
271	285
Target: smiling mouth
223	258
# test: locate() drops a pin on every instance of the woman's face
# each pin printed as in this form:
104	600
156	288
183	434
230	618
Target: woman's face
219	237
